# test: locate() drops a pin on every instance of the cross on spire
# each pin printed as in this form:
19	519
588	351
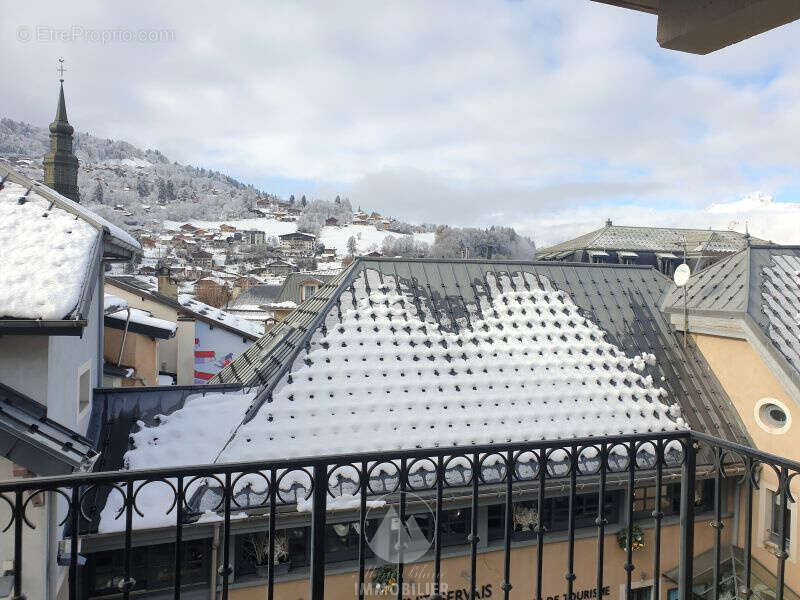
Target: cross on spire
61	69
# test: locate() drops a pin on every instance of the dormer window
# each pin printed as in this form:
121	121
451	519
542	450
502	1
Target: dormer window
307	291
598	256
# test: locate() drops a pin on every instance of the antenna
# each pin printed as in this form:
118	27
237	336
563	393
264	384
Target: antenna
681	278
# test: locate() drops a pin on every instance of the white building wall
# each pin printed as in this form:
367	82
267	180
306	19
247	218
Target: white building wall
23	364
68	357
215	348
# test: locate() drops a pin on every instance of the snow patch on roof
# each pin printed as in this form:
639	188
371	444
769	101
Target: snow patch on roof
190	436
142	317
46	256
221	316
112	303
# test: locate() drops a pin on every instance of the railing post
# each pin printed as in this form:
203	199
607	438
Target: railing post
688	479
320	500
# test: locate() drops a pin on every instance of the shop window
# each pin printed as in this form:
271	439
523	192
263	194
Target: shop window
455	526
295	540
644	501
342	539
554	517
153	567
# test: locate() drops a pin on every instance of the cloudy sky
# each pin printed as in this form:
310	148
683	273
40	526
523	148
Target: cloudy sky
548	115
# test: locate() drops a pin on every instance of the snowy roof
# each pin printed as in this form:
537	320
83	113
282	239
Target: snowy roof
221	317
257	295
762	284
51	249
509	341
652	239
141	321
188	305
397	354
112	303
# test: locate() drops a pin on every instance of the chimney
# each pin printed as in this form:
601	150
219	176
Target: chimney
166	286
608	222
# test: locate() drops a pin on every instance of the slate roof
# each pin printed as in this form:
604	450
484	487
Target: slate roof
41	445
652	239
262	293
761	284
290	291
456	301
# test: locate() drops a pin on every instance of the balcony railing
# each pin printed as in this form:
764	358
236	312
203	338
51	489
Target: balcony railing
596	464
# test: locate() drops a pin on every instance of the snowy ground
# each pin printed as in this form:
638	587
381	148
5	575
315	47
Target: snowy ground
367	237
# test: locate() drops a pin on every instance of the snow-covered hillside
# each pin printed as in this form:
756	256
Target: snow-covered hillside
144	186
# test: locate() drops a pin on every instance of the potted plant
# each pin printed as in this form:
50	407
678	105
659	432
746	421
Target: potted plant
525	517
256	547
637	538
383	578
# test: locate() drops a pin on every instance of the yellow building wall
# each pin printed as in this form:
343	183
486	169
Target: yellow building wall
456	570
139	352
747	379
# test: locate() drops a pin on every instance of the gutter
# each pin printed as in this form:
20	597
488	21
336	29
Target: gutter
40	327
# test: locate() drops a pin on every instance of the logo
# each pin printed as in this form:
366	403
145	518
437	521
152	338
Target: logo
407	540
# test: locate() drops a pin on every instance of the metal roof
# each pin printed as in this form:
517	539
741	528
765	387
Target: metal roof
44	447
761	284
622	300
653	239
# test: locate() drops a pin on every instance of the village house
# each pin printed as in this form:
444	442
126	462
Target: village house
206	337
131	344
51	338
297	243
254	237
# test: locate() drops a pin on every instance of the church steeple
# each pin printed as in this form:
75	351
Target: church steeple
60	163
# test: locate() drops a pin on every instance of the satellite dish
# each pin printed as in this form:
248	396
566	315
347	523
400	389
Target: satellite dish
682	274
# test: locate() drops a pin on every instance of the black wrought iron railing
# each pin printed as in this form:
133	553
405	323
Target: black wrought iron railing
355	480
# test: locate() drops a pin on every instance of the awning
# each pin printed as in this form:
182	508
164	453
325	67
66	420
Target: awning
597	253
627	254
29	439
665	255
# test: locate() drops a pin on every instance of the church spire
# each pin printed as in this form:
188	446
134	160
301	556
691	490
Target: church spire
60	163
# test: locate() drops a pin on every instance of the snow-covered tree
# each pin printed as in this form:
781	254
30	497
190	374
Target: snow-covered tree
97	193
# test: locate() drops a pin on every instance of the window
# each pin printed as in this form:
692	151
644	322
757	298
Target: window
341	541
308	291
455	526
84	388
153	567
297	542
641	593
772	415
555	516
774	508
644	500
